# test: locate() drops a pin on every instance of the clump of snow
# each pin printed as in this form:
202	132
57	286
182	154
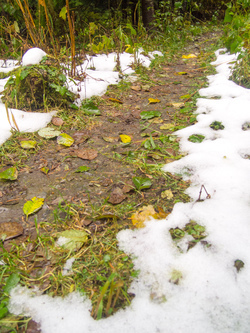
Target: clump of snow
68	266
33	56
211	295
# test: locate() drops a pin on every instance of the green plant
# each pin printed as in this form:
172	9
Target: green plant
217	125
196	138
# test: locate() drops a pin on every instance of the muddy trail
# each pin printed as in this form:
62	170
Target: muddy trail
100	181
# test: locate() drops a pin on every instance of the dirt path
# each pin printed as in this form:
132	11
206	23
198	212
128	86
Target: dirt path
106	193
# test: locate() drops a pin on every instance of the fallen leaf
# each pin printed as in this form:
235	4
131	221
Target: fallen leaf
115	100
45	170
181	73
72	240
86	154
166	126
136	88
9	174
153	101
125	138
57	121
110	138
28	144
81	136
82	168
32	206
90	109
65	140
116	196
167	194
48	133
156	121
141	216
9	230
150	114
189	56
178	105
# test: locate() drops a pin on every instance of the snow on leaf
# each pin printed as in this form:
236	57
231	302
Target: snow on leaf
153	101
150	114
72	240
125	138
9	174
48	133
65	140
142	215
32	206
28	144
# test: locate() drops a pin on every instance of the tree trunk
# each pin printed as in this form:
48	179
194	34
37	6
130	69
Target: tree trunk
147	7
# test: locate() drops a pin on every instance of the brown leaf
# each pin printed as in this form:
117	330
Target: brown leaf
86	154
128	187
136	88
57	121
116	196
9	230
33	327
80	136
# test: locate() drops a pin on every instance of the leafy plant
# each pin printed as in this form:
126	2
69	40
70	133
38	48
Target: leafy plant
196	138
217	125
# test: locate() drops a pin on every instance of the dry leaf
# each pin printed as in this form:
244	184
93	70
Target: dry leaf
178	105
116	196
86	154
166	126
136	88
9	230
115	100
57	121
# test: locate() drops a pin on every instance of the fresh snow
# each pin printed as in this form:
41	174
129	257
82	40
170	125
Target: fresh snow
211	296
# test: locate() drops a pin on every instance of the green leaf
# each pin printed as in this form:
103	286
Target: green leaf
82	168
3	310
32	206
150	114
48	132
65	140
73	239
63	13
196	138
90	109
141	183
9	174
11	282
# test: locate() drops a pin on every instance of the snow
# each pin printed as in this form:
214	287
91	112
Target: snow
97	70
211	295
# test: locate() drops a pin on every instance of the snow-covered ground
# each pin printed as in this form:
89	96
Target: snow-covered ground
211	295
97	70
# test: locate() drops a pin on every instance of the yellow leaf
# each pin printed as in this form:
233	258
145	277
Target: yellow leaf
32	206
65	140
153	100
167	194
143	215
167	126
178	105
181	73
189	56
28	144
115	100
125	138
